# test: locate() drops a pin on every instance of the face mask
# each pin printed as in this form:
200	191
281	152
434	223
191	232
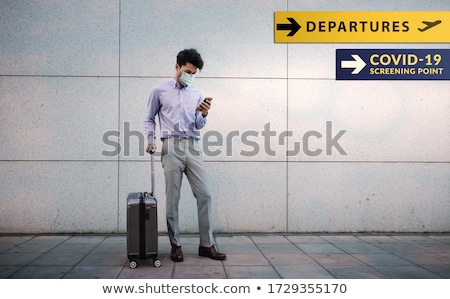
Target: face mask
186	79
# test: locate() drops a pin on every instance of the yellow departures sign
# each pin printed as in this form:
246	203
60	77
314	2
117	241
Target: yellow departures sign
362	27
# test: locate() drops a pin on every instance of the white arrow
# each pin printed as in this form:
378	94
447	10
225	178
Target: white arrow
358	64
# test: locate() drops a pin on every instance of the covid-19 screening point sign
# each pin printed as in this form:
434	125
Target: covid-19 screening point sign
393	64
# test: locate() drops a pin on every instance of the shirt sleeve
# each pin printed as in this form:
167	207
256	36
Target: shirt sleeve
200	120
152	111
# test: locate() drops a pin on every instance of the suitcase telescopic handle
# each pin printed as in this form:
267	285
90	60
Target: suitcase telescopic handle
152	175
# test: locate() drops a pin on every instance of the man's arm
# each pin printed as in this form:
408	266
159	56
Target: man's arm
150	123
203	108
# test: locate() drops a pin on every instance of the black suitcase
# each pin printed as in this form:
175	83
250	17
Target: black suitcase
142	226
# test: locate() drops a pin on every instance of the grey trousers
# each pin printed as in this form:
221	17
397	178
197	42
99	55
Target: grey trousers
184	156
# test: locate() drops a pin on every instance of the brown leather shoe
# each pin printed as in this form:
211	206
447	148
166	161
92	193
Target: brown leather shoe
176	254
211	253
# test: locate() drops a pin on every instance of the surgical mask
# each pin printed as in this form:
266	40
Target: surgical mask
186	79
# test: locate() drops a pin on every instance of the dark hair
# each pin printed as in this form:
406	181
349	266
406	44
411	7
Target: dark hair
191	56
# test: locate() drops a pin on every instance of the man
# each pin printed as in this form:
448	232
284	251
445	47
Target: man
182	112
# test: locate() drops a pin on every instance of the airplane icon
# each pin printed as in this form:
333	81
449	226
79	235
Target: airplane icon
429	25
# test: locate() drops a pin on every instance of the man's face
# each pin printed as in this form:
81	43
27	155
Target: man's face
188	68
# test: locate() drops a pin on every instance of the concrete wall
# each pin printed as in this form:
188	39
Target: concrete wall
75	75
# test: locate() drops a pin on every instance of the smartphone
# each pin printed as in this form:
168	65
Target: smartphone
207	98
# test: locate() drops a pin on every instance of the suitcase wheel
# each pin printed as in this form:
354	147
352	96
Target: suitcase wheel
157	263
133	264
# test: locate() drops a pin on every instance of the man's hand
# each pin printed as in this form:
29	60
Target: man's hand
151	148
204	107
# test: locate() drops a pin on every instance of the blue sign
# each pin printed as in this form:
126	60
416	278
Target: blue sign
393	64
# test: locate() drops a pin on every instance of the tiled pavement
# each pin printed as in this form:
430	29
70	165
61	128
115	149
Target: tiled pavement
250	256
